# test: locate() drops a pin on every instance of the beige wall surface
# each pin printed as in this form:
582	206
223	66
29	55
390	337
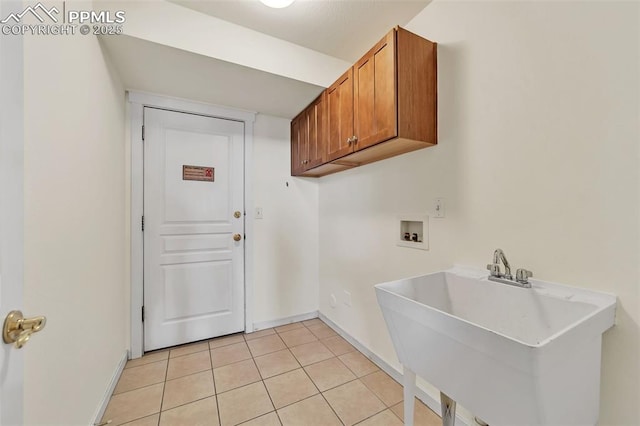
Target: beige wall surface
285	274
538	154
75	240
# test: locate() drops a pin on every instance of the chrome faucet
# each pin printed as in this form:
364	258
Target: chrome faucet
522	275
498	256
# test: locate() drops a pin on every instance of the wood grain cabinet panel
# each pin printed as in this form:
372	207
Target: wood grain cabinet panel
316	125
296	147
340	116
383	106
308	137
375	95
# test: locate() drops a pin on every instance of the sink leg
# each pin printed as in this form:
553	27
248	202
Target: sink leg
409	383
448	410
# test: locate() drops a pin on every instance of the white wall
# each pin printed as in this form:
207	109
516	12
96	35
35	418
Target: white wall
286	239
75	240
538	155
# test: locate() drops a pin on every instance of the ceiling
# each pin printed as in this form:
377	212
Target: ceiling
345	29
155	68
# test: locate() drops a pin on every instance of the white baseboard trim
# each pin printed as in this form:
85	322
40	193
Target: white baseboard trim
257	326
421	394
112	385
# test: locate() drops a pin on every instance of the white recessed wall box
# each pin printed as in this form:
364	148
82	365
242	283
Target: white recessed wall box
413	231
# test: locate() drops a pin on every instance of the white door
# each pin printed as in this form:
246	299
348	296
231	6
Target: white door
193	227
11	213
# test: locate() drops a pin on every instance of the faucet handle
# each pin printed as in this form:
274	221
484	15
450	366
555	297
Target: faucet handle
494	269
522	275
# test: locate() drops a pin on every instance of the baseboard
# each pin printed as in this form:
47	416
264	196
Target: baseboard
284	321
109	391
421	393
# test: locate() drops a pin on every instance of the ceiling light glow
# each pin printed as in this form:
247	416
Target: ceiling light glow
277	4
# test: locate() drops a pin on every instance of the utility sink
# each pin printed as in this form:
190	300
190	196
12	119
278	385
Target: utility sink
511	355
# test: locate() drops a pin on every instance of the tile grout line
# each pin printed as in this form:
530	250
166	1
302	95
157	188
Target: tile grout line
164	386
332	409
386	407
146	415
393	412
140	387
322	394
341	384
264	385
277	375
374	392
309	397
145	365
356	378
127	367
270	352
232	362
373	415
284	372
183	404
186	345
215	388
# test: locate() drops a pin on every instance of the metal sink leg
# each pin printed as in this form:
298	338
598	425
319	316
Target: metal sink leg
448	410
409	382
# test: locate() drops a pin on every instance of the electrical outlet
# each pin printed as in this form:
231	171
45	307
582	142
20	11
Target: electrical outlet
258	212
347	298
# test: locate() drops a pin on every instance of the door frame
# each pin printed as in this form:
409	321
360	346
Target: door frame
12	360
136	101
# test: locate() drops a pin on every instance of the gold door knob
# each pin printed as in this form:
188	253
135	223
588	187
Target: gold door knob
237	215
18	329
237	237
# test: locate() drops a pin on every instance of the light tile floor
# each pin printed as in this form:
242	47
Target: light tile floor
301	374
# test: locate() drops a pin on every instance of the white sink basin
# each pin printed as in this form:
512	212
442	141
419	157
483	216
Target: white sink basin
511	355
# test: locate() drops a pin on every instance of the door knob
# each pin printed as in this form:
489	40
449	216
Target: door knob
237	214
18	329
237	237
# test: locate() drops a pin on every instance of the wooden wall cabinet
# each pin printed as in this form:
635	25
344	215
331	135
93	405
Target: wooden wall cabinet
385	105
308	137
340	116
374	97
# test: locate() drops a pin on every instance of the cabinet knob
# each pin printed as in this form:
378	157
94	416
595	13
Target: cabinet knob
349	141
354	138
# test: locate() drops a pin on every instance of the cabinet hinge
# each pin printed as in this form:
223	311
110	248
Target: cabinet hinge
143	314
143	132
142	223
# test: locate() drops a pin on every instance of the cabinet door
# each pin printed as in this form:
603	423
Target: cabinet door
317	134
297	154
375	117
340	116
